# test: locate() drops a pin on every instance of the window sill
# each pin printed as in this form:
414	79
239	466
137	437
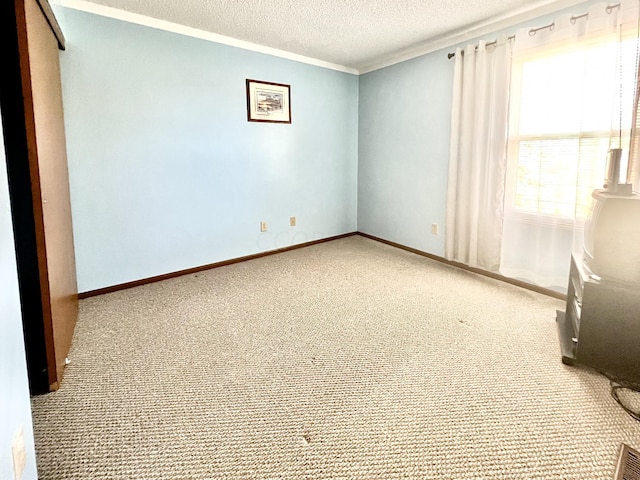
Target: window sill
543	220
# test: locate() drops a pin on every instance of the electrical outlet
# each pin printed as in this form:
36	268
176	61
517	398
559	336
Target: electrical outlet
292	221
263	226
19	454
435	228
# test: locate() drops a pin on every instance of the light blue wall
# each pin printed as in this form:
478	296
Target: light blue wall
167	174
403	151
165	171
15	409
403	160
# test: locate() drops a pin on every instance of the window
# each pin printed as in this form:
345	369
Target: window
561	125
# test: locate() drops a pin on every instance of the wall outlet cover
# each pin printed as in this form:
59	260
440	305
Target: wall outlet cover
19	454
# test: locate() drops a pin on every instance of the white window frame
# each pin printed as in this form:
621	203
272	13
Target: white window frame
515	139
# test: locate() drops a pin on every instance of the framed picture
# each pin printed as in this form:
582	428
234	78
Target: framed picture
268	102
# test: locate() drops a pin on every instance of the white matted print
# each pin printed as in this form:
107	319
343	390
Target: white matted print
268	102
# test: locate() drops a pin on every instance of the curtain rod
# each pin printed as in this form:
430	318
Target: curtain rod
450	55
550	26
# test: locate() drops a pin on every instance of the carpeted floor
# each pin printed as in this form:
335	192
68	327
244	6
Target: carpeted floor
345	360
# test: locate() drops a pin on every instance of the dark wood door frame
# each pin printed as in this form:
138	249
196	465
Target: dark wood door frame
24	192
22	206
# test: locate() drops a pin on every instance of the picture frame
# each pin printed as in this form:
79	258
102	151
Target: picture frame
268	102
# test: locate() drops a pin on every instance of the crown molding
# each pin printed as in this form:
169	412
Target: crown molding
104	11
495	24
474	31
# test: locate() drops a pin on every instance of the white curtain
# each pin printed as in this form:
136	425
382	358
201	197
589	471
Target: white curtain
571	101
477	160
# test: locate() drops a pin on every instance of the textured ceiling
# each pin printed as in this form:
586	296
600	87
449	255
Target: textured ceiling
352	33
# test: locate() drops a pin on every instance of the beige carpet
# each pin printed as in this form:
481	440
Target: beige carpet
345	360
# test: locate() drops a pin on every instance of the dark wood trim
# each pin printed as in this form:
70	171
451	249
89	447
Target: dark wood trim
188	271
496	276
19	174
53	23
36	191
